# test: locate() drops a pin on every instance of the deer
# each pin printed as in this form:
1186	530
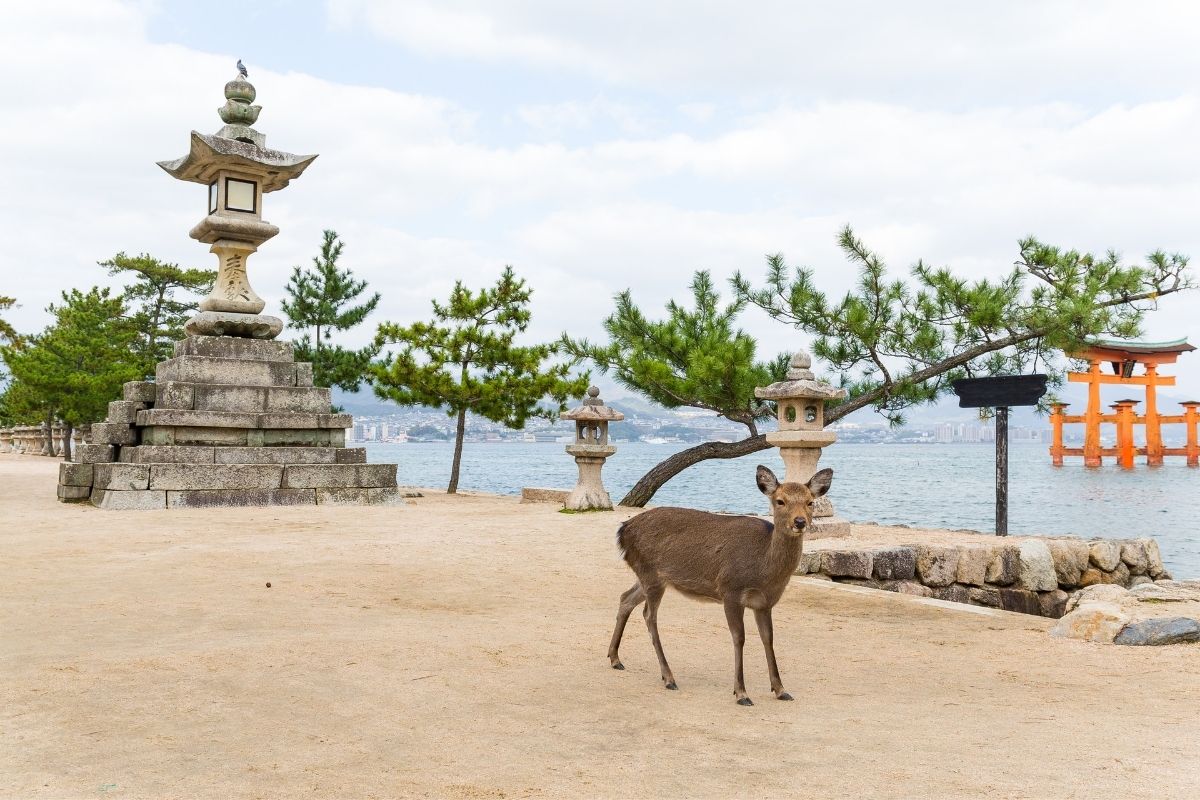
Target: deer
739	561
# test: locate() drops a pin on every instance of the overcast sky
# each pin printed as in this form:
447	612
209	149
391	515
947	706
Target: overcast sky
608	145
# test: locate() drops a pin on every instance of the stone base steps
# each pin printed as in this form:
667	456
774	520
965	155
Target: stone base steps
198	454
149	500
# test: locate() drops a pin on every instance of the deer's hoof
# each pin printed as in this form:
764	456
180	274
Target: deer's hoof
786	696
618	665
672	686
745	701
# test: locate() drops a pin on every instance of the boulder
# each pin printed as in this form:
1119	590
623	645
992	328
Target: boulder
1153	557
1159	631
809	562
973	563
984	597
846	563
1004	565
913	588
1022	601
1119	576
955	593
1092	622
1133	554
1104	554
895	563
1139	580
1099	593
1166	592
1053	604
1091	576
1070	558
937	565
1036	570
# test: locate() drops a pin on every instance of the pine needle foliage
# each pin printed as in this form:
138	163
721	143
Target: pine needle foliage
321	300
8	334
466	360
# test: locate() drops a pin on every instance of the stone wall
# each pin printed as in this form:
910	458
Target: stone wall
1029	575
30	440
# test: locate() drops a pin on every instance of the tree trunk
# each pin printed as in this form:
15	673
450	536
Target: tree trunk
48	448
68	432
668	468
458	443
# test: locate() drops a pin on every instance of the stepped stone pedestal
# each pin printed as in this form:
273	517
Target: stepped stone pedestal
227	422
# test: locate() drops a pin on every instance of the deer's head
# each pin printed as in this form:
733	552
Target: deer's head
792	503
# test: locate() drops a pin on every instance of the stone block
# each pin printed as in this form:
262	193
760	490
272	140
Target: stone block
113	500
93	453
209	498
1065	556
310	438
913	588
196	437
138	391
1020	600
216	476
202	369
290	421
333	476
123	412
955	593
234	347
303	374
113	433
256	438
298	399
337	437
221	324
70	494
175	395
121	477
1053	604
1133	554
531	494
179	418
75	474
1092	622
810	563
1036	570
386	496
358	455
1104	554
1153	557
167	454
335	421
1160	631
984	597
244	399
1120	576
276	455
894	563
342	497
847	563
1004	566
973	563
937	565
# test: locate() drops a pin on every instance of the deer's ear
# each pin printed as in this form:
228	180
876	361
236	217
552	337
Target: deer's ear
819	484
767	482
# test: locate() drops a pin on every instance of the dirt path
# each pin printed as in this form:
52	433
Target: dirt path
455	648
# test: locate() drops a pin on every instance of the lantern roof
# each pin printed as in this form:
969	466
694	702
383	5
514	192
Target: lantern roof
237	146
593	409
800	383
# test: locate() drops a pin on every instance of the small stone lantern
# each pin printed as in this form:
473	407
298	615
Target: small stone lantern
801	436
591	449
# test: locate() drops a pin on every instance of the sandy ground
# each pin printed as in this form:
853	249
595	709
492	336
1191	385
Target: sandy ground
456	648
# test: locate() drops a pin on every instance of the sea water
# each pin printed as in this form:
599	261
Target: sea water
923	485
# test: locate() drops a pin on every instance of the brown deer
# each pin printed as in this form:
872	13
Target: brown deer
735	560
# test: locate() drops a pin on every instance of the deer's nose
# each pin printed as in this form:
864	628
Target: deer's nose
800	522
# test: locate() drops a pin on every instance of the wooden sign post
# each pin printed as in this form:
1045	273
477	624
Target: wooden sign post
1000	392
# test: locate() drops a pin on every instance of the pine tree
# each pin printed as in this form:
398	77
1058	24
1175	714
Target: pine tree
321	299
465	360
158	313
8	334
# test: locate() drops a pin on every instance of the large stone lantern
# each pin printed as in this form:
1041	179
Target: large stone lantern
801	436
591	449
238	169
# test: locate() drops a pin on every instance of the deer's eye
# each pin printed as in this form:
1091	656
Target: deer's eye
778	502
810	503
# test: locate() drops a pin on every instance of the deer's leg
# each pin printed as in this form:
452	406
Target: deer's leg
654	595
629	601
762	616
734	615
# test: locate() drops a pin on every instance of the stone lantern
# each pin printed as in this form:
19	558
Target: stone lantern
591	449
238	169
801	403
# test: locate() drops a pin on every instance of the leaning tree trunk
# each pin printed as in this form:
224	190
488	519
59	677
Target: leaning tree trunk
652	481
458	443
68	432
48	446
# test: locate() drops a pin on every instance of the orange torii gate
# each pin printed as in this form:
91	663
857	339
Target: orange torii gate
1124	357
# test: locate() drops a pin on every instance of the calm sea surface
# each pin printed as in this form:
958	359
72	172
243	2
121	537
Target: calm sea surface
941	486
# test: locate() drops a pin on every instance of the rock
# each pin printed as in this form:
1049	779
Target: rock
1070	558
1004	565
139	391
846	563
1099	593
984	597
1053	604
1036	571
94	453
134	500
1104	554
70	474
1139	580
1133	553
1091	576
895	563
1153	557
955	593
913	588
1163	630
1020	600
1166	592
809	562
121	476
973	564
1092	622
937	565
1119	576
